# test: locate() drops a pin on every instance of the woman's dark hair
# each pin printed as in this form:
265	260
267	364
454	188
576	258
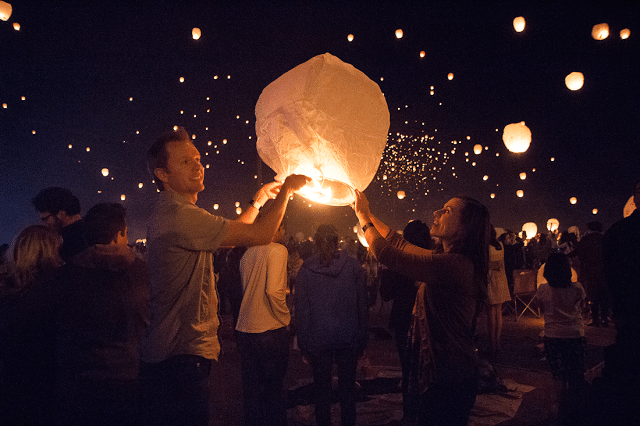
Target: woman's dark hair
417	233
104	221
326	240
557	270
493	240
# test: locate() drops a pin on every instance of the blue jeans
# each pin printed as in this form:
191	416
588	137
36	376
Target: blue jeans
176	391
264	357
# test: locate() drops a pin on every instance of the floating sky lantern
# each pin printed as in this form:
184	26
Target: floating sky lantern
238	210
181	81
237	203
594	211
122	197
361	237
553	224
477	149
519	24
531	229
5	10
450	76
493	195
105	172
216	206
574	81
5	106
327	120
350	37
624	34
523	176
140	185
629	207
399	33
196	33
600	31
573	200
516	137
520	193
423	53
401	195
16	26
485	177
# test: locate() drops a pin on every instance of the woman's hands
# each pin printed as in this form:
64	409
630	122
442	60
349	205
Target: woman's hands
361	207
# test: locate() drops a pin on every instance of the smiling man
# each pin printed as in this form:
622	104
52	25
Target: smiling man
182	339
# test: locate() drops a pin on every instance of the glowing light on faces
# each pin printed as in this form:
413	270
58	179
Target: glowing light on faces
600	31
105	172
574	81
519	24
573	200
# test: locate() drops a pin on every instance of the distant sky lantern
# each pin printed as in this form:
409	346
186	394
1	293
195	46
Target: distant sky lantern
181	79
105	172
16	26
122	197
70	146
520	193
399	33
573	200
531	229
450	76
423	53
175	128
523	176
629	207
4	106
238	210
401	195
553	224
216	206
518	24
196	33
23	98
237	203
5	10
477	149
516	137
624	34
327	120
594	211
600	31
493	195
574	81
350	37
140	185
88	149
485	177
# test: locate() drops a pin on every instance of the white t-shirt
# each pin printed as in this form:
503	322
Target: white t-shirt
562	309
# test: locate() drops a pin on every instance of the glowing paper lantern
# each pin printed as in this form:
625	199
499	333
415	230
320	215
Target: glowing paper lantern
485	177
477	149
518	24
493	195
523	176
16	26
594	211
327	120
450	76
624	34
553	224
350	37
531	229
238	210
140	185
216	206
399	33
401	195
105	172
423	54
520	193
573	200
574	81
196	33
516	137
122	197
181	81
600	31
629	207
5	10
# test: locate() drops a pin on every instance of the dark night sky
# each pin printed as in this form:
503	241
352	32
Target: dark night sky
78	65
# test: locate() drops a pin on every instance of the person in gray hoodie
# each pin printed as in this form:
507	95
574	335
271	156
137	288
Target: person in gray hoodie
332	321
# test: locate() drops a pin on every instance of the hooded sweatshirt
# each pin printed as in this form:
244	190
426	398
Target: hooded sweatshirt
331	304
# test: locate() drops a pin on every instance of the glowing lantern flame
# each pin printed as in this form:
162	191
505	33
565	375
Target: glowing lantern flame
624	34
105	172
519	24
5	10
423	54
196	33
350	37
573	200
477	149
399	33
523	176
450	76
520	193
553	224
401	195
327	120
600	31
531	229
574	81
516	137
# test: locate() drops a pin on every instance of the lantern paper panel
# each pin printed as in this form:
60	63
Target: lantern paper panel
574	81
5	10
516	137
327	120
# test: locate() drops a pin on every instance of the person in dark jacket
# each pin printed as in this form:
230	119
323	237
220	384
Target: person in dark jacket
100	315
332	322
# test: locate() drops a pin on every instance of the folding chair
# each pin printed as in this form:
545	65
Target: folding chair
525	286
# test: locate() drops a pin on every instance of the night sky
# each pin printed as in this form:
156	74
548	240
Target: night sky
105	79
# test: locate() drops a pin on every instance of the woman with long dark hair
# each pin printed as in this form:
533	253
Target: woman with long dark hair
455	276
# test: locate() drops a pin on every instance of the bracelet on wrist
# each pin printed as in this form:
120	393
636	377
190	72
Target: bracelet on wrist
255	204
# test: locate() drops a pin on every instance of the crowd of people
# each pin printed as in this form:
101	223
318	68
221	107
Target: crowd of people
95	332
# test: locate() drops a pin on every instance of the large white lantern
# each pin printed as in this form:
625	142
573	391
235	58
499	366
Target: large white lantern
5	10
629	207
327	120
518	24
553	224
574	81
531	229
516	137
600	31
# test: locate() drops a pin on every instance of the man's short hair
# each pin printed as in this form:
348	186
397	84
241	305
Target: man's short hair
55	199
157	156
104	221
